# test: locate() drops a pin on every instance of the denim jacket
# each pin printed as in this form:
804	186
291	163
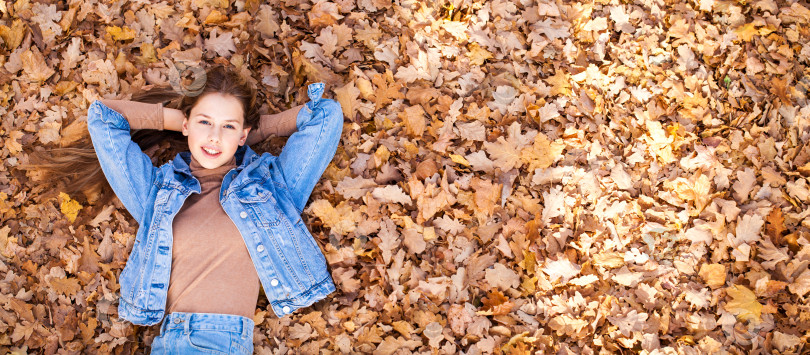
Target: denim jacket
264	196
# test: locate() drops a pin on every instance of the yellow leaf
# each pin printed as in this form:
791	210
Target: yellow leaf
608	260
746	32
121	33
13	36
744	304
542	154
560	83
713	274
215	17
458	159
148	54
477	54
69	207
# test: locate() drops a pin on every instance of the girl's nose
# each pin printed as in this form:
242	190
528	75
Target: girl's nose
214	135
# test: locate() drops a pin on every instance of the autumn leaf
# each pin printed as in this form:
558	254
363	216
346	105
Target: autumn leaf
746	32
542	153
70	208
121	33
743	304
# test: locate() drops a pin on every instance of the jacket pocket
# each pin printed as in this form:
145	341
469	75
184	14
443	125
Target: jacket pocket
260	202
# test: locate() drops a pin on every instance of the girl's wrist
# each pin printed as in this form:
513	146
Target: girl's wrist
173	119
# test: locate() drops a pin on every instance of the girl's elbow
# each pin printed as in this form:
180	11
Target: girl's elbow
334	114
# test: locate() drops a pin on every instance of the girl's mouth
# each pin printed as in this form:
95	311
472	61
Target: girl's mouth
210	152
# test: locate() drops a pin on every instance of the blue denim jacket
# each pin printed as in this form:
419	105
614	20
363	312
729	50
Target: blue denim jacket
264	196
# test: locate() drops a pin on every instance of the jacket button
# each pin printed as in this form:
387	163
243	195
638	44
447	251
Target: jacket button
243	214
274	282
177	320
286	309
261	248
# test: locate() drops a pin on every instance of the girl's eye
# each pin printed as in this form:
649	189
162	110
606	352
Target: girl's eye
203	121
229	126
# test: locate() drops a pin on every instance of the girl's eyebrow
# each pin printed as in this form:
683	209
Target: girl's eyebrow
209	117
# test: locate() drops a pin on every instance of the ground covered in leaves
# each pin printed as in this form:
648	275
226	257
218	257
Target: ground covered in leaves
607	176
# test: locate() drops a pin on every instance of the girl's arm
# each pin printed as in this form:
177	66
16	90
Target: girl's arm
282	124
310	149
128	170
142	115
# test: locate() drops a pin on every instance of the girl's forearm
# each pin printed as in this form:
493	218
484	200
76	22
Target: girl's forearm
282	124
140	115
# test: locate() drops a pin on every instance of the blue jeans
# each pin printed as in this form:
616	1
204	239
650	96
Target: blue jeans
204	333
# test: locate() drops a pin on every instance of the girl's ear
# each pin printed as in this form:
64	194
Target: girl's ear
185	126
244	136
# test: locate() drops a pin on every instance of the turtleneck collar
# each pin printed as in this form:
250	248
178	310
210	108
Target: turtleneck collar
199	171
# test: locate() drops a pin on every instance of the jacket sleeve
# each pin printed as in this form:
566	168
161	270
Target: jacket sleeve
128	170
310	149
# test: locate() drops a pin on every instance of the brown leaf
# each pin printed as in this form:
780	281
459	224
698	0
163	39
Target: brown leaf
89	261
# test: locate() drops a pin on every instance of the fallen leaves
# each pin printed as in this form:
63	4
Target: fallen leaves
513	177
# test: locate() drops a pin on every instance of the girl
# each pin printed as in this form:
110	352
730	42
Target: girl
218	220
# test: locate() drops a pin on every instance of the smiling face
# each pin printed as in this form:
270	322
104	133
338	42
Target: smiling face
214	129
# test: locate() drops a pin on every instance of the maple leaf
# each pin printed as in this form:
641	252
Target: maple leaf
506	153
744	304
340	219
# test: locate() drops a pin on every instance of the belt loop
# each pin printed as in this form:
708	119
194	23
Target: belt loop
247	330
187	323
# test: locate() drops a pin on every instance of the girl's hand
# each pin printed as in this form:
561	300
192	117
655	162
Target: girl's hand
173	119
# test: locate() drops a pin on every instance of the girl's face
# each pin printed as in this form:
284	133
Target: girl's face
214	129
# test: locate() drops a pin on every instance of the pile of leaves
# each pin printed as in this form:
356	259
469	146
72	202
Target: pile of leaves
514	176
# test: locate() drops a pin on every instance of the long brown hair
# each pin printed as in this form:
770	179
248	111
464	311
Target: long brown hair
78	165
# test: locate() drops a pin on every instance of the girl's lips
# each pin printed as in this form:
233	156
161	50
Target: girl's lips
209	154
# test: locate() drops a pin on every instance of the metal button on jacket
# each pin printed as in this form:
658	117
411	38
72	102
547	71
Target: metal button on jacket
243	214
260	248
274	282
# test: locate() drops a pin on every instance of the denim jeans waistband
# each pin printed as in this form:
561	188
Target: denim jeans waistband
208	321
